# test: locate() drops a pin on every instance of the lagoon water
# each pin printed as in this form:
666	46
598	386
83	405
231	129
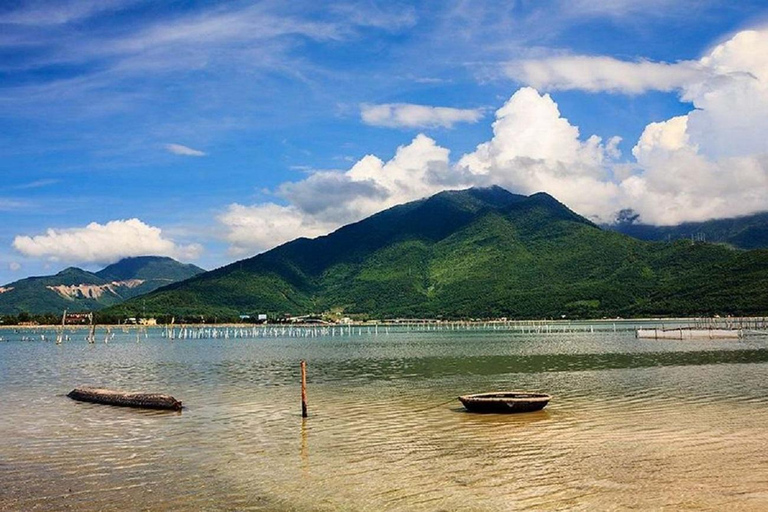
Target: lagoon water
633	424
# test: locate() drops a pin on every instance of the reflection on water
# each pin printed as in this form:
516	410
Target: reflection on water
633	424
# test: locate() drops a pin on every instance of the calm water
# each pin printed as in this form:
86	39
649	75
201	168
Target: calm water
633	424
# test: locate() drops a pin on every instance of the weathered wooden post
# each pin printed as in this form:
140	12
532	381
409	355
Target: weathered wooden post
303	389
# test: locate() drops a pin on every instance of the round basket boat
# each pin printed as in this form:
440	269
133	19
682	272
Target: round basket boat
505	402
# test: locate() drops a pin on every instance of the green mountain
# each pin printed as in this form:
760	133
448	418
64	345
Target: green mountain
149	268
747	232
78	290
474	253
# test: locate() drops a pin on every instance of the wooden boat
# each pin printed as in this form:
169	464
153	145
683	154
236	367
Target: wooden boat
125	399
505	401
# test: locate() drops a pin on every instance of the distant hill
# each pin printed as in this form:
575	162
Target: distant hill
78	290
747	232
149	268
474	253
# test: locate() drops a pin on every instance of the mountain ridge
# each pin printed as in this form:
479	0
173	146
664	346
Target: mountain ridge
743	232
78	289
469	253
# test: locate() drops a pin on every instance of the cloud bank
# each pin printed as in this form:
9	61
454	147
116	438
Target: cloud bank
326	200
601	74
103	243
712	162
408	115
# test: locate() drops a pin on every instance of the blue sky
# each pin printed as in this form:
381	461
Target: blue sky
212	131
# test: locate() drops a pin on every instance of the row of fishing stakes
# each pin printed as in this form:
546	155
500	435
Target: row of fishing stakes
511	326
750	326
200	332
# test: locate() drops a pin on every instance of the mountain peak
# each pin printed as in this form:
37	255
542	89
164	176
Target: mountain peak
148	267
478	197
425	244
79	289
554	208
71	271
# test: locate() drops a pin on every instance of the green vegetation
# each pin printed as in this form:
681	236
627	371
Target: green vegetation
37	319
473	253
89	291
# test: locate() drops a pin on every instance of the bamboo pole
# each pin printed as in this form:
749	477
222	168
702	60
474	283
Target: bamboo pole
303	389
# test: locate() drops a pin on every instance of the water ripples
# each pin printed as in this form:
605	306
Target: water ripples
633	426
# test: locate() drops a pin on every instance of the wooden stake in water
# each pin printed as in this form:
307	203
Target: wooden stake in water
303	389
92	329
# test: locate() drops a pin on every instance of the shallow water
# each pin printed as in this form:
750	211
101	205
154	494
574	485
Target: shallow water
633	424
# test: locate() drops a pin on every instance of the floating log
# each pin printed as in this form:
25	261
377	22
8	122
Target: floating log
505	402
125	399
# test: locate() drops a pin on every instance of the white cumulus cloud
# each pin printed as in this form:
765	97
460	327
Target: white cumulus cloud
326	200
712	162
263	226
408	115
103	243
178	149
533	149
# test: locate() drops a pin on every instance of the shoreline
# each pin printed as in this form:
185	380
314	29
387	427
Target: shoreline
415	322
